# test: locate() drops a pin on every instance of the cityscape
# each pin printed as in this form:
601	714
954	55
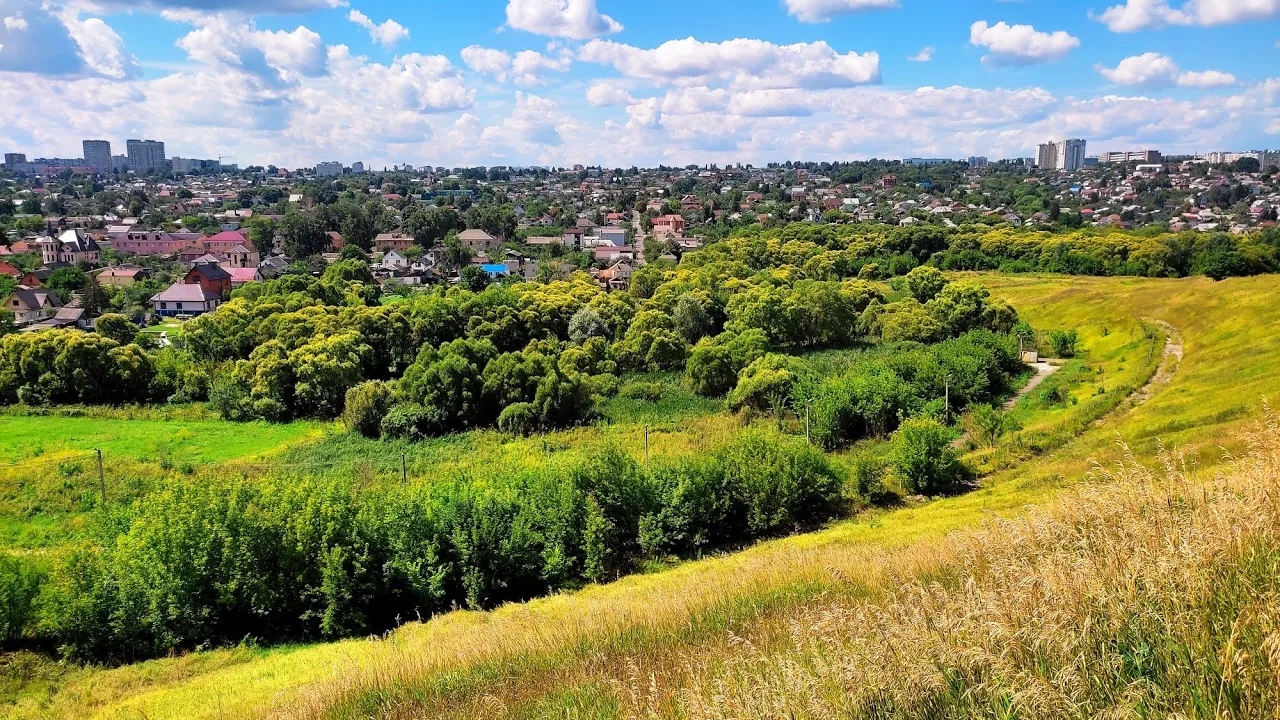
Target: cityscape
604	360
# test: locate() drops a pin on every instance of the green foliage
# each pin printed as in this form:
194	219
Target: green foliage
690	319
766	384
303	559
586	324
987	425
924	283
646	391
365	406
66	281
1064	342
20	583
519	419
923	458
116	327
473	278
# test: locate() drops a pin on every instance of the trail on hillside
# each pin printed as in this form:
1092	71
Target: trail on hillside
1171	359
1044	369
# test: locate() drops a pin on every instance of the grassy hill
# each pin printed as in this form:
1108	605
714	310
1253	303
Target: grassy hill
782	627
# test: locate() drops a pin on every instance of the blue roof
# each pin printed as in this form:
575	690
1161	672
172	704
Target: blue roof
495	269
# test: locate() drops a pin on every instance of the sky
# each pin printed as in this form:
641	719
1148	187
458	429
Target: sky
636	82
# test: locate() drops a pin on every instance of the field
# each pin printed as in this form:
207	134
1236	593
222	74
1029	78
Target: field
1183	364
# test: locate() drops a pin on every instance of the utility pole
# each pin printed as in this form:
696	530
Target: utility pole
646	444
404	470
807	436
102	479
946	403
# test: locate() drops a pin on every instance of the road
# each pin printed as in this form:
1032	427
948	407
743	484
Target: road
640	237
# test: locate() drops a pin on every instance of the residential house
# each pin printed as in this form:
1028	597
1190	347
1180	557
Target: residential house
392	241
496	270
668	225
613	236
394	260
335	240
122	276
210	276
616	276
573	237
72	246
11	271
31	306
478	240
153	243
190	299
63	317
38	277
611	253
272	267
243	275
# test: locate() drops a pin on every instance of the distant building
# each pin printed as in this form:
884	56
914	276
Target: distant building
186	299
1063	155
1265	158
1146	157
145	155
71	247
190	165
925	161
357	168
97	155
329	169
119	163
477	240
11	159
977	162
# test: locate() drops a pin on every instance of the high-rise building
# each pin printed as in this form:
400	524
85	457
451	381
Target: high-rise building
11	159
120	163
188	165
1265	158
357	168
145	155
1062	155
1047	156
978	162
1071	155
925	161
97	155
329	169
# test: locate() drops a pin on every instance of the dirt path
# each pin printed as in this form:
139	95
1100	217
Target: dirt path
1043	370
1171	358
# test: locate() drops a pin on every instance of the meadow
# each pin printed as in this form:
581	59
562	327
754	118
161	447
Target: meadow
605	651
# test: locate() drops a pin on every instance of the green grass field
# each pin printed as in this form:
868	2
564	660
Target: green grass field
575	654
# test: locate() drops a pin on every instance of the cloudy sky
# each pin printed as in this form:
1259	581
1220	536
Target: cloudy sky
622	82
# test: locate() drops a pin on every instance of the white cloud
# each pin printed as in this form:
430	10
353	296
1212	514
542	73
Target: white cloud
15	22
924	56
487	61
1020	44
275	7
1156	70
529	66
741	63
276	56
1207	79
1136	15
570	19
47	40
816	11
387	34
605	94
1151	69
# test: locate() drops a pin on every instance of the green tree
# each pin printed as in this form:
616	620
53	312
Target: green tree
92	297
924	283
117	327
473	278
924	460
302	235
66	281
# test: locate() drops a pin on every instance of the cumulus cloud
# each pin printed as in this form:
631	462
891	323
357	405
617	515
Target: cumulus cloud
1136	15
924	56
1020	44
569	19
741	63
275	56
386	34
1156	70
487	61
39	38
606	94
816	11
275	7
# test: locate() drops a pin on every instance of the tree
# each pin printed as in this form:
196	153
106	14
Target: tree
117	327
690	318
303	235
431	226
358	227
456	254
924	283
65	281
586	324
262	233
473	278
31	205
92	297
924	460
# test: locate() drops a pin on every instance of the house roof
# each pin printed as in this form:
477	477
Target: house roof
38	298
474	234
7	269
182	292
242	275
226	236
212	271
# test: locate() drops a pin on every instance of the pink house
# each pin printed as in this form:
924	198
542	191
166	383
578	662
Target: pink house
668	225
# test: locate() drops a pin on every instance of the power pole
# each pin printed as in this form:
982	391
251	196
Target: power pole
807	436
946	403
646	444
102	479
404	470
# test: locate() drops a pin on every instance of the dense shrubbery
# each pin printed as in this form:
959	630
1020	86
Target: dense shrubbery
287	559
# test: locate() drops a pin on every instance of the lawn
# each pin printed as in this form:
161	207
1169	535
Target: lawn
571	653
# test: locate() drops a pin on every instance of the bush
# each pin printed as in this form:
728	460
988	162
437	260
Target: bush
586	324
117	327
646	391
766	384
519	419
987	425
366	404
924	283
924	460
20	583
1064	342
410	421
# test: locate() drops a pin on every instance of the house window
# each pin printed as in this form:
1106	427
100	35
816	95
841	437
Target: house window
164	306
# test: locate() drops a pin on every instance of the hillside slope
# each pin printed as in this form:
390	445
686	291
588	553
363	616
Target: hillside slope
660	641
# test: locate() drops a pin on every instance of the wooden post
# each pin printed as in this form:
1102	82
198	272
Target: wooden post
807	436
404	470
646	444
102	479
946	403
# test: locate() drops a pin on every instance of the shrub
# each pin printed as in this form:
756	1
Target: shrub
586	324
410	421
766	384
366	404
987	425
710	370
924	460
20	583
646	391
117	327
519	419
690	318
1064	342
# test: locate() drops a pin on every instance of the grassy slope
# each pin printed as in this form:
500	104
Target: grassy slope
540	655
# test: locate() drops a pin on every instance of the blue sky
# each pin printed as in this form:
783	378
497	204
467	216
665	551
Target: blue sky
623	82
